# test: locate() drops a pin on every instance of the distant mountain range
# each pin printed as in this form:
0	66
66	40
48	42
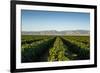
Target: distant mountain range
54	32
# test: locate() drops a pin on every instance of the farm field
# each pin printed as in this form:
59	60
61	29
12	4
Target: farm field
38	48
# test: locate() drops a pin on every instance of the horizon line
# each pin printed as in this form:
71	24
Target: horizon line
58	30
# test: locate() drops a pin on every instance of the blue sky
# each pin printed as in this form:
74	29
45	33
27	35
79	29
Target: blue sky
32	20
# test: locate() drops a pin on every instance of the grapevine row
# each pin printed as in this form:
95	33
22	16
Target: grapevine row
81	50
56	53
34	52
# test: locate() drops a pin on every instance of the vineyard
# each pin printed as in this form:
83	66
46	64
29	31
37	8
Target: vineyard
54	48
